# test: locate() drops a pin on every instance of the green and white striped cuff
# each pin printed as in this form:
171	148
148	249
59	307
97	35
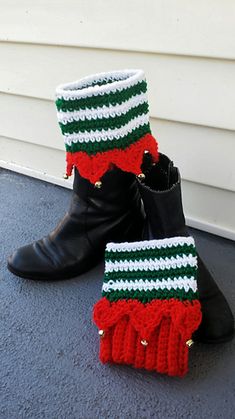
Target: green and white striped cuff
103	110
154	269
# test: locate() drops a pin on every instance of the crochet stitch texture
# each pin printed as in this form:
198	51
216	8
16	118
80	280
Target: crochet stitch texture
104	119
150	306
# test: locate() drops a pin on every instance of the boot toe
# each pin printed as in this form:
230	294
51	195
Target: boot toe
26	263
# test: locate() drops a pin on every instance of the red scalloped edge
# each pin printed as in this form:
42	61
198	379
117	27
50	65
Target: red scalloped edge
185	315
129	160
166	326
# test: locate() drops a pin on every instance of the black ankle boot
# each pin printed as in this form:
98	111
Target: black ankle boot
161	194
104	120
96	216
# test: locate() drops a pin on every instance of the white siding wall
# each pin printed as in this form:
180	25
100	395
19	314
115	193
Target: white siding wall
187	49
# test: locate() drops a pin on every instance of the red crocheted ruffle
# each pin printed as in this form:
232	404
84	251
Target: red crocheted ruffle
166	326
129	159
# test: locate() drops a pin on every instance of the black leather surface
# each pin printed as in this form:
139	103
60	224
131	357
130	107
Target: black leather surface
161	194
96	216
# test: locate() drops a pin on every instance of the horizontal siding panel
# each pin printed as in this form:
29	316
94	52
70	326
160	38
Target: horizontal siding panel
32	157
209	208
30	120
202	28
185	89
204	155
199	151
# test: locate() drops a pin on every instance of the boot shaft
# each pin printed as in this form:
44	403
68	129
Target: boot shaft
162	198
118	193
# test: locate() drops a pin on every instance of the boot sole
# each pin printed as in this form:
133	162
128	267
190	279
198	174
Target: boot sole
49	279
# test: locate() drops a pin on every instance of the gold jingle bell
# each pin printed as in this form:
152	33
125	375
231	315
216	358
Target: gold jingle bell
141	176
190	343
98	184
101	333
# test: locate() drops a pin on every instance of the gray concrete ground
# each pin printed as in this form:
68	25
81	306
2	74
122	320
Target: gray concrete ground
49	346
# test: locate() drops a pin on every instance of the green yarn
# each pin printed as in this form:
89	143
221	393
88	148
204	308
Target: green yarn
101	146
147	296
145	271
104	123
112	98
151	253
187	271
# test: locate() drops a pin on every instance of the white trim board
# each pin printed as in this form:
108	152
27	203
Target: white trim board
210	228
204	28
66	183
184	89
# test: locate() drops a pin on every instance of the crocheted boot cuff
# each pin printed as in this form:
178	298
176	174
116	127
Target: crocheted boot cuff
104	119
150	306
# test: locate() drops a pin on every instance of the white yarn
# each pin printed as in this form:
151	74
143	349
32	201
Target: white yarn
144	285
76	90
149	244
151	264
102	112
106	135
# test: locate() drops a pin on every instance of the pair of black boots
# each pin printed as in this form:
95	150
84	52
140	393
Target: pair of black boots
125	208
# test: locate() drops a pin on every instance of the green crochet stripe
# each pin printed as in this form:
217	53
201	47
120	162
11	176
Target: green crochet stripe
187	271
104	123
151	253
147	296
102	146
112	98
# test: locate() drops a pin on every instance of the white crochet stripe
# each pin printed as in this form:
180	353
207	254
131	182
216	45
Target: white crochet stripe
119	80
102	112
106	135
149	244
143	285
151	264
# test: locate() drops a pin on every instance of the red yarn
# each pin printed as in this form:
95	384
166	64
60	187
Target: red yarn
129	160
166	325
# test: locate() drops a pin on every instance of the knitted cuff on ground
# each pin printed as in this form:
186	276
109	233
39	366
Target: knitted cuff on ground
150	306
104	119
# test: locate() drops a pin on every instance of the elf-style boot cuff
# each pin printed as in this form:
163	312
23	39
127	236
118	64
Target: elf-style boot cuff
104	119
150	306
